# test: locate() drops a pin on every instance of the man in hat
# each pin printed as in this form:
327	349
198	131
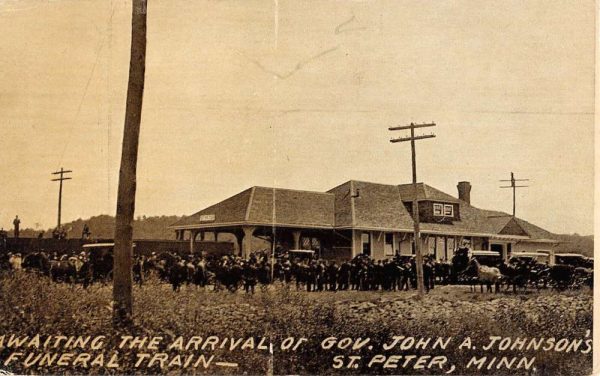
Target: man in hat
86	233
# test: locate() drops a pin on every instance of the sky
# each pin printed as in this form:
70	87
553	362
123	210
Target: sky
298	94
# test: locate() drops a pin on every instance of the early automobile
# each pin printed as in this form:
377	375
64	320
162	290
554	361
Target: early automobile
487	258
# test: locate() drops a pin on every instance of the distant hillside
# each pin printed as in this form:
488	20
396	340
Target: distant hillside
576	244
103	226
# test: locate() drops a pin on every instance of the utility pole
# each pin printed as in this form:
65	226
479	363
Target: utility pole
514	186
62	172
415	204
123	251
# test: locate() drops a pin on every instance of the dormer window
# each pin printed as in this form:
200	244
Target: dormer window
448	211
443	210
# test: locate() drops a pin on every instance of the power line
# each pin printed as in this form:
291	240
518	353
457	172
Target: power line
415	204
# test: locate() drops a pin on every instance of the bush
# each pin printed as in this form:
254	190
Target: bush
30	304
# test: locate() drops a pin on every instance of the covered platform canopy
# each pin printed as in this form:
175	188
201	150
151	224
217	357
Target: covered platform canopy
267	213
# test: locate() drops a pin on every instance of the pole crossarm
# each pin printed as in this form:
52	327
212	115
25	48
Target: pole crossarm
411	126
403	139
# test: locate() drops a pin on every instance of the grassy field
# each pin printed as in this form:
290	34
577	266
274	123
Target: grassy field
31	305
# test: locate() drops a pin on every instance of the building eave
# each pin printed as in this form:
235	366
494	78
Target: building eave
544	241
435	232
361	228
234	224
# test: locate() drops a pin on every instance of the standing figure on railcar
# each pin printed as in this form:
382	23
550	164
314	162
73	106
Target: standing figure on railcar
17	225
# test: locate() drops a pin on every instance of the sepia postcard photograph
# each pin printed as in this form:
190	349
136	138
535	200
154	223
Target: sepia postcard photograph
305	187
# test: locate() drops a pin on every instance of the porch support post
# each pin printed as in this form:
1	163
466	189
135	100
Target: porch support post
247	241
192	240
296	234
239	236
353	243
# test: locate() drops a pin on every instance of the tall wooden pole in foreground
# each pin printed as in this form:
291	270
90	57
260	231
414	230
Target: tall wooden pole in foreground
415	204
123	252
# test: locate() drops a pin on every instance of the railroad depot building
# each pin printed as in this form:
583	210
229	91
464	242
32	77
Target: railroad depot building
361	217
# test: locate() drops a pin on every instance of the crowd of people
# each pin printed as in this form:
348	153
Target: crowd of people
231	272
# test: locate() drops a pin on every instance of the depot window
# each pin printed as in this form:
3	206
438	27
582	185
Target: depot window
366	243
448	211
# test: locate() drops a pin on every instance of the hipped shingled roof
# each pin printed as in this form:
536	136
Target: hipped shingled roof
268	206
358	205
378	206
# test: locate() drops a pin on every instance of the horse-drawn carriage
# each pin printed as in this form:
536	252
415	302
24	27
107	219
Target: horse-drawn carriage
574	259
486	258
541	258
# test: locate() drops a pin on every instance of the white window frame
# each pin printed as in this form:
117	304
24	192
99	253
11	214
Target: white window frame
441	209
385	244
446	206
362	243
431	245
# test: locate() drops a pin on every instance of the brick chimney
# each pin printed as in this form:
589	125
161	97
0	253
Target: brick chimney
464	191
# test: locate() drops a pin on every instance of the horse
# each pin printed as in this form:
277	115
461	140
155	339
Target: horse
515	275
177	274
264	274
37	261
172	269
200	276
485	275
62	271
227	273
443	272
